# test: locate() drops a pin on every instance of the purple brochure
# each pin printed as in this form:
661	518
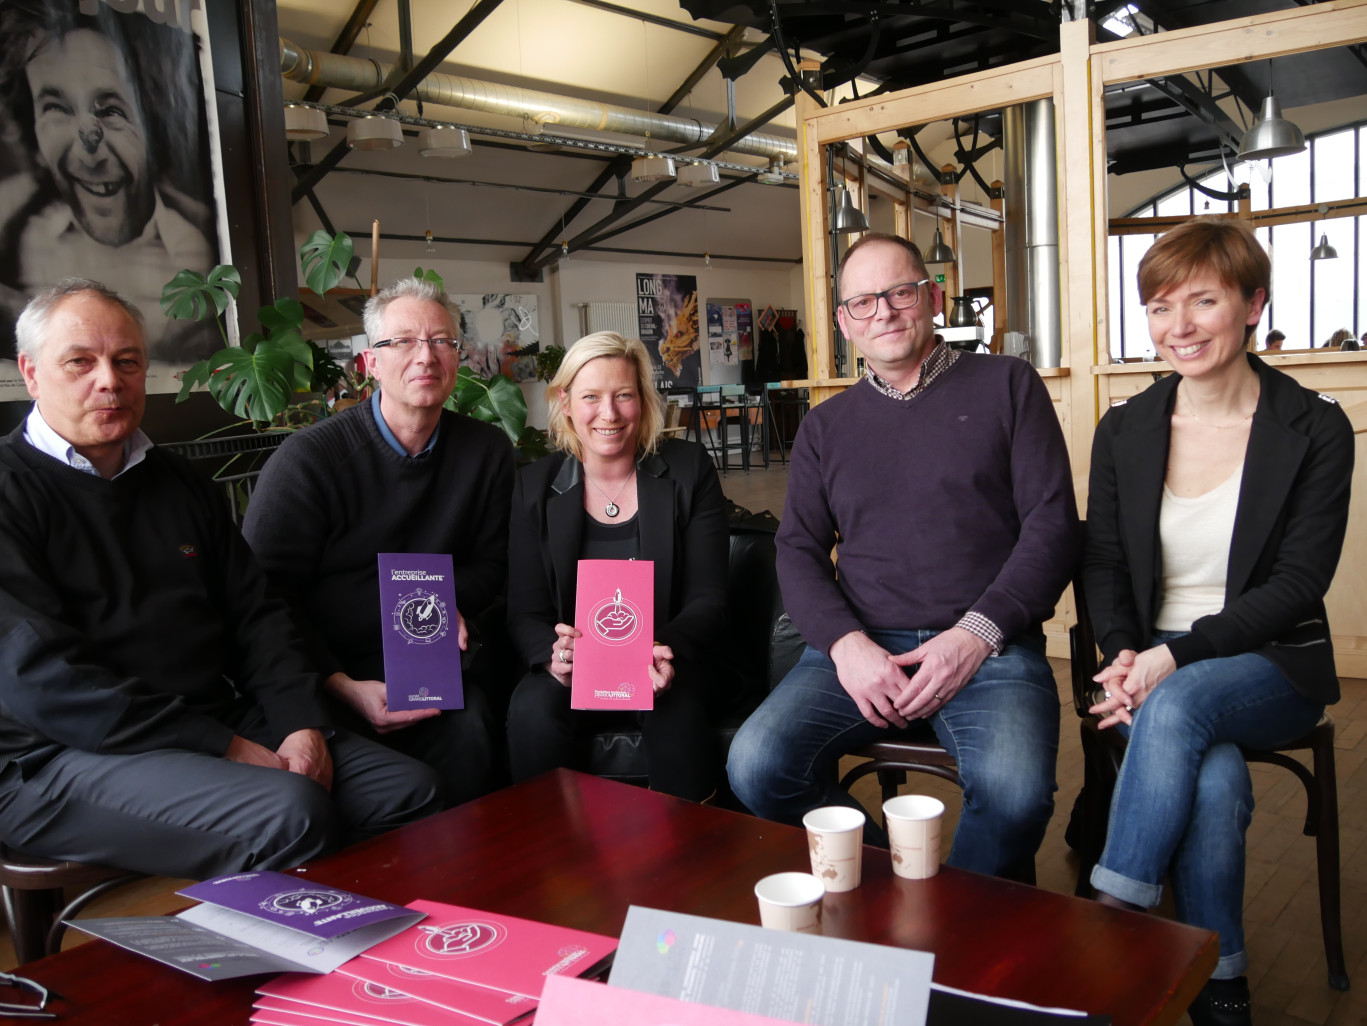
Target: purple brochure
255	923
421	643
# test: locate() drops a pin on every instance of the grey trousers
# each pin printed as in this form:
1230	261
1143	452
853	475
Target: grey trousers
179	813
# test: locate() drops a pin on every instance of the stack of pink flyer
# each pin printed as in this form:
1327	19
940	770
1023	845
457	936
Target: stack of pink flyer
459	966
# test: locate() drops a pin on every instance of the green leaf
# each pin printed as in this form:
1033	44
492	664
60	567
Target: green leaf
497	401
196	375
191	296
429	275
285	315
324	259
255	383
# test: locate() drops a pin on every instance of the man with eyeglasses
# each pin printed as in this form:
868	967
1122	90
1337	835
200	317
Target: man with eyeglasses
942	483
394	474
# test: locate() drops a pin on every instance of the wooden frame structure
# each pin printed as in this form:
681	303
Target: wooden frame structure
1075	78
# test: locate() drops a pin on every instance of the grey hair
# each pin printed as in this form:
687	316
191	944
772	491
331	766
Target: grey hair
31	326
405	288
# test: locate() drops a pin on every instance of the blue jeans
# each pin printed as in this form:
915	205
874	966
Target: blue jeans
1002	729
1183	800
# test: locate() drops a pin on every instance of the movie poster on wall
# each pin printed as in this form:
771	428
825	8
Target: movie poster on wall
109	164
501	332
667	314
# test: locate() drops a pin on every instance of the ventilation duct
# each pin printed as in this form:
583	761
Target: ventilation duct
1032	254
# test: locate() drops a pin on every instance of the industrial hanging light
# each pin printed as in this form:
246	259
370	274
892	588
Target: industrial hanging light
1271	135
305	124
939	253
848	217
695	175
1324	251
374	132
444	141
655	167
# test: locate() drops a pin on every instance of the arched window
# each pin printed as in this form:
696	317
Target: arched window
1310	299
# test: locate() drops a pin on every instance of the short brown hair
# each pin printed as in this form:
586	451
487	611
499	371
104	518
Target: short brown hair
1224	246
592	347
912	249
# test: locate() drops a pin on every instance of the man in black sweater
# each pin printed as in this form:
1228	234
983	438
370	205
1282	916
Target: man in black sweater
157	712
396	473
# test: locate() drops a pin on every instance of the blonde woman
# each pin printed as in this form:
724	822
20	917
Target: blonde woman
614	490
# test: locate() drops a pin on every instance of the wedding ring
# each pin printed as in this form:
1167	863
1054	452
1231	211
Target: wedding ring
1107	694
564	656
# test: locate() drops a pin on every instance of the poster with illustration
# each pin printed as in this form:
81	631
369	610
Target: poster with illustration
730	333
502	334
667	315
109	163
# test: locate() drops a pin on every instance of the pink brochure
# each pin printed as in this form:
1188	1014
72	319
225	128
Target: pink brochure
614	610
571	1002
341	999
488	950
492	1006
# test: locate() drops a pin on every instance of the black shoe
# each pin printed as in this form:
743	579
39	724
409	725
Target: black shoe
1222	1003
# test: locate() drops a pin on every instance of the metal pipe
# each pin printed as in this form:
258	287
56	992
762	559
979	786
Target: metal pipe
1032	251
338	71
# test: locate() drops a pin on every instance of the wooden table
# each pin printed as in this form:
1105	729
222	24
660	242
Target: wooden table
575	850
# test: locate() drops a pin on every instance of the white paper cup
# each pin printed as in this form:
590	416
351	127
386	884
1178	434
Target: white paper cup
913	822
835	838
790	901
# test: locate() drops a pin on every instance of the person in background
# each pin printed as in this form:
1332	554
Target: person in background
616	491
157	712
1338	338
1217	510
397	473
1273	342
943	482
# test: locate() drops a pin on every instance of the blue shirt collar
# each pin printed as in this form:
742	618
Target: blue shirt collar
389	436
39	434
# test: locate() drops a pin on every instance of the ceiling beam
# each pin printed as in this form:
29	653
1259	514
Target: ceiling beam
618	168
654	19
480	10
351	31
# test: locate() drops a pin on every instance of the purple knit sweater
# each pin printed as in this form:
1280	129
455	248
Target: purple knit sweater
958	499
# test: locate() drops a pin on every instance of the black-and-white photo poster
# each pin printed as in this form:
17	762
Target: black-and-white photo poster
109	163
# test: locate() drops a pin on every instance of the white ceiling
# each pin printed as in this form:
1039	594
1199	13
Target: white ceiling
557	46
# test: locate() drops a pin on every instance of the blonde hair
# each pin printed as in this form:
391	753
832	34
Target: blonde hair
593	347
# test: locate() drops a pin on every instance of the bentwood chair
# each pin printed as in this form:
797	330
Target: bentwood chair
34	890
1103	750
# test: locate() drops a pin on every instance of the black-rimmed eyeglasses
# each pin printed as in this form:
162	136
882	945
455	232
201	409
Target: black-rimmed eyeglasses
405	345
899	297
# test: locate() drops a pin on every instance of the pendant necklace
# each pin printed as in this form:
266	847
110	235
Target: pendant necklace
612	509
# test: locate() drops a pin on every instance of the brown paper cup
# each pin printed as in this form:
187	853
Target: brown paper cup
790	901
835	837
913	822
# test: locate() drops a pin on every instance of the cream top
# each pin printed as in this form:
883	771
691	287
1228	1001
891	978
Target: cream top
1195	534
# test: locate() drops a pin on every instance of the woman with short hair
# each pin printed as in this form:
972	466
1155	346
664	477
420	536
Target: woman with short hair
1217	510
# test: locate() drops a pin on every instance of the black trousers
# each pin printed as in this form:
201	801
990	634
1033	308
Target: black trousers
544	732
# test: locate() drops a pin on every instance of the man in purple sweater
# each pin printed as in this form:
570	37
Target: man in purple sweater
942	482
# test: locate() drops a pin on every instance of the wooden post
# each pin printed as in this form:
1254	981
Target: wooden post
950	227
816	242
374	256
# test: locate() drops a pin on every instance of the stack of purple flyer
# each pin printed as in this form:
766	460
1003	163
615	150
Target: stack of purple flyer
260	922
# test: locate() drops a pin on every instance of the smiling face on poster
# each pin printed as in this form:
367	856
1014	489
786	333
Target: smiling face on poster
108	164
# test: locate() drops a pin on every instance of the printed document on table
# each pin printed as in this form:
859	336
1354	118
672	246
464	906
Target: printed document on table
800	977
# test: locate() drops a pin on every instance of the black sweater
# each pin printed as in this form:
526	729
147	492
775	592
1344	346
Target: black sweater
133	617
336	494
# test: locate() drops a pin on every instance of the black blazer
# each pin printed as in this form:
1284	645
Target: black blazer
1288	531
683	529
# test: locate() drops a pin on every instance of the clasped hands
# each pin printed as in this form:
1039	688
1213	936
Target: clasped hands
1129	681
880	686
304	752
561	665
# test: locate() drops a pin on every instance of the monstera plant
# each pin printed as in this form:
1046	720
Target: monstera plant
261	379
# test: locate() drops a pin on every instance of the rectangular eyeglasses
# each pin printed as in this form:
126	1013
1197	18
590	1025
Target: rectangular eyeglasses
899	297
437	345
